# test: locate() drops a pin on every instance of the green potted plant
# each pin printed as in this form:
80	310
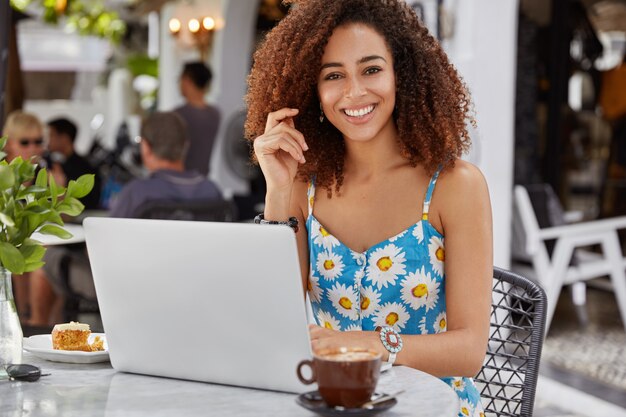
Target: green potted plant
28	205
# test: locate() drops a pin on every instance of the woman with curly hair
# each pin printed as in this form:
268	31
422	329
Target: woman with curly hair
356	114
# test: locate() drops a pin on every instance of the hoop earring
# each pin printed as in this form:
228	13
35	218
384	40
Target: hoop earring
321	114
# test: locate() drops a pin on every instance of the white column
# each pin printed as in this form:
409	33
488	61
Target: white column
119	103
170	62
153	34
484	51
233	56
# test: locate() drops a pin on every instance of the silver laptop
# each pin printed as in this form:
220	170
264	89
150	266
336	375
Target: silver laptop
213	302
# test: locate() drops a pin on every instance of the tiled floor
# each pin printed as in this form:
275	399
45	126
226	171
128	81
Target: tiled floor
563	393
556	399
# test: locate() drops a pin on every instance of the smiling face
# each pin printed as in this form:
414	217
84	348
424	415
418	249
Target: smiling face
357	85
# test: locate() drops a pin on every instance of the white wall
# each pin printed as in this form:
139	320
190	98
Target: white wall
45	47
484	51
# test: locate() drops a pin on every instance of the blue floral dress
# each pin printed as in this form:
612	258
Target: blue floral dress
399	282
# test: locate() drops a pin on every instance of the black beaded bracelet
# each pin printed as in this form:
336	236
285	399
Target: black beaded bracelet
292	222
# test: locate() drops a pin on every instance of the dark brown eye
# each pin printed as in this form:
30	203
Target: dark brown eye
372	70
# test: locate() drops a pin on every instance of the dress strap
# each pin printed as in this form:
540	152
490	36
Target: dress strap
311	195
429	194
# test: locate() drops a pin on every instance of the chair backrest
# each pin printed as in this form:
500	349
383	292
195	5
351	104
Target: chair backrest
508	378
193	210
525	226
536	206
547	207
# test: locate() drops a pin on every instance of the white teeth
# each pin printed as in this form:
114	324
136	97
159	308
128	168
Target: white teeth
359	113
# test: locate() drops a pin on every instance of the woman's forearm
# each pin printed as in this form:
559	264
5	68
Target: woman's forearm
452	353
458	352
277	205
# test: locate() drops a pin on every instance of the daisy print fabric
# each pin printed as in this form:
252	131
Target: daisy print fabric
386	265
399	283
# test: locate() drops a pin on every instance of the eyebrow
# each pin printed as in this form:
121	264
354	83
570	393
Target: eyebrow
360	61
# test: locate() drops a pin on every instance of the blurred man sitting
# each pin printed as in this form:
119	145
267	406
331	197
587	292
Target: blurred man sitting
61	138
163	147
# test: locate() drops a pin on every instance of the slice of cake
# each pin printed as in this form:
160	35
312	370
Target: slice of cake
73	336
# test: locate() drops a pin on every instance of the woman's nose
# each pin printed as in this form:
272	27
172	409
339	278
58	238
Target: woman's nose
354	88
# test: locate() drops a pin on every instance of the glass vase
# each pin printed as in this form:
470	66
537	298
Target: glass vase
10	330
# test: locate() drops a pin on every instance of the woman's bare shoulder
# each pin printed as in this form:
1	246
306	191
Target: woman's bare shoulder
462	177
461	187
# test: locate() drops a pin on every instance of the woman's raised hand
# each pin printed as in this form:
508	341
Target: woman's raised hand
280	149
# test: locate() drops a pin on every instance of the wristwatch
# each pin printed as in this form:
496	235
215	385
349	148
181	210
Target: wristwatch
391	341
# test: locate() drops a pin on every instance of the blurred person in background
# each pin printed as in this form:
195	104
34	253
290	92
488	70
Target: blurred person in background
163	145
164	141
61	138
24	132
25	136
202	119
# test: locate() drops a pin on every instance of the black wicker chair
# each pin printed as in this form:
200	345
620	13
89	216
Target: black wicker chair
508	378
192	210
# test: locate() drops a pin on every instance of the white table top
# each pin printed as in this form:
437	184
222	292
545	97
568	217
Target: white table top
97	389
75	229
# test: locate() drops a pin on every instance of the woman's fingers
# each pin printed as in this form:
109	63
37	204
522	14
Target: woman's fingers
321	338
295	133
280	149
283	120
280	140
293	150
314	331
316	345
274	118
317	332
272	145
314	335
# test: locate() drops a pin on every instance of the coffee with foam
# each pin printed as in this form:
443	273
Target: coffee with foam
345	377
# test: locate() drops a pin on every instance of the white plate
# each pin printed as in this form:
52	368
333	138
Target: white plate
41	346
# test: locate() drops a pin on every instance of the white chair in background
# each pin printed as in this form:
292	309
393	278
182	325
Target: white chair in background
554	271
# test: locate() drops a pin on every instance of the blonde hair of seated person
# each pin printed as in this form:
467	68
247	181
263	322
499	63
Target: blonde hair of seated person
25	136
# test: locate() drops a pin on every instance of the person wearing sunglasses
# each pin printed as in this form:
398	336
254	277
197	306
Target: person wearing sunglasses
24	132
46	299
25	136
